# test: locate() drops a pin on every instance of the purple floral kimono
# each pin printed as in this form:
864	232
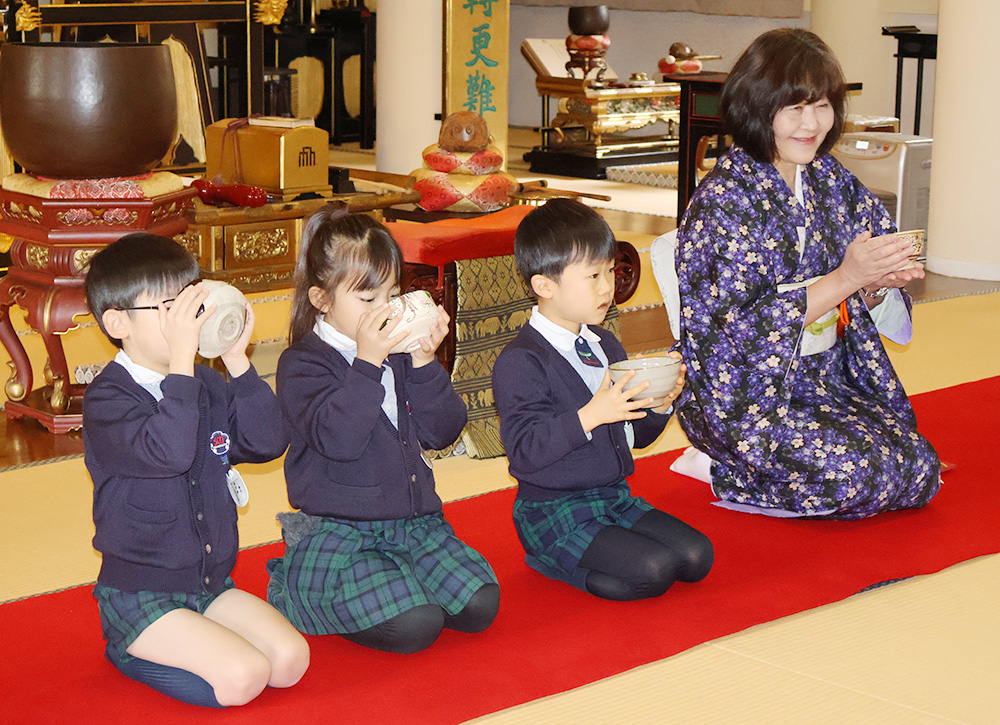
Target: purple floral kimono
830	433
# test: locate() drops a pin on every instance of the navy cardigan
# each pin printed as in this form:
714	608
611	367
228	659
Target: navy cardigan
165	520
346	460
538	395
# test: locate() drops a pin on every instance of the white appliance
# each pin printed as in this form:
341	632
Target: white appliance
895	167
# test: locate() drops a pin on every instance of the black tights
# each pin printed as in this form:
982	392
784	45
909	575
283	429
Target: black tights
418	628
644	561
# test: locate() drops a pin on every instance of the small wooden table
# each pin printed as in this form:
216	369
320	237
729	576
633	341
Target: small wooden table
255	248
430	251
912	43
699	116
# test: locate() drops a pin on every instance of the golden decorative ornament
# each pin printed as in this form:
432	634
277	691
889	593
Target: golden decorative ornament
191	241
252	246
59	400
269	12
14	387
37	256
269	278
27	212
6	241
27	18
81	258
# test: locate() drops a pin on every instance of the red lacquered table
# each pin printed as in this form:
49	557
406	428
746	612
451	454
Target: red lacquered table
52	241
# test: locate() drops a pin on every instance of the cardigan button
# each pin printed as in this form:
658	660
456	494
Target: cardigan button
413	477
200	516
208	548
207	580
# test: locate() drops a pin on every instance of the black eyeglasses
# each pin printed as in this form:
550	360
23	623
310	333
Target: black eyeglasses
147	307
166	303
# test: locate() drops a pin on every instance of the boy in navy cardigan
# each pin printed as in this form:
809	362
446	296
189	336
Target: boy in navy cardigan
567	430
161	435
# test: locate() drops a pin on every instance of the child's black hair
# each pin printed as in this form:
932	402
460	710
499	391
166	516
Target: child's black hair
137	263
338	248
557	234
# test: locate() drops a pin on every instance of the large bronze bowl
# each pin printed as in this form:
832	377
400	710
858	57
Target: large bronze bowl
589	19
87	110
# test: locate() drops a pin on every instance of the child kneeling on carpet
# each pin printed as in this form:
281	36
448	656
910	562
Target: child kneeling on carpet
369	555
567	430
161	435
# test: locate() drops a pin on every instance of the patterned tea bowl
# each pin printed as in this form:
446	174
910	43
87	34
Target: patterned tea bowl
418	313
916	239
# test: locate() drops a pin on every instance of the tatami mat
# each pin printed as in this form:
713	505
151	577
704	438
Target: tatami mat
926	651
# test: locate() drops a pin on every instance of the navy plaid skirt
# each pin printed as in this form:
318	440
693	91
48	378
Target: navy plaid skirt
556	533
347	576
125	614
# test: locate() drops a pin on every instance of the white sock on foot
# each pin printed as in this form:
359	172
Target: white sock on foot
695	464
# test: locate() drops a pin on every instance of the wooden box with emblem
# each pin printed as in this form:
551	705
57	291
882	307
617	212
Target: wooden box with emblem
284	157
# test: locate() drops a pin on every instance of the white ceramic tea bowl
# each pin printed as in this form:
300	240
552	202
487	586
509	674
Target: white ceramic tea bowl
225	325
916	239
418	312
661	372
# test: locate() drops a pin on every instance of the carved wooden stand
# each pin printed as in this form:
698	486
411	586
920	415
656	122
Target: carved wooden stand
53	240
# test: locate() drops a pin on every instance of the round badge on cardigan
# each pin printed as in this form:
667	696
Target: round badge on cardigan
219	443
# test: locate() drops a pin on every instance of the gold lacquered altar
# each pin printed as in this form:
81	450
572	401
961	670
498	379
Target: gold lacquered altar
587	133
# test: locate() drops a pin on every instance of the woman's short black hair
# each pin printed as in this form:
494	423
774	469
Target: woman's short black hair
136	263
558	233
782	67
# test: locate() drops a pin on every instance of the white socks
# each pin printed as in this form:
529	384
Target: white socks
695	464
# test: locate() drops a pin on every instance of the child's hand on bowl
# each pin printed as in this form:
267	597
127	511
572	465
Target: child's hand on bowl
427	350
663	404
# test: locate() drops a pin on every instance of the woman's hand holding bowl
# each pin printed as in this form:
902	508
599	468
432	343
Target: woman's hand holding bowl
873	262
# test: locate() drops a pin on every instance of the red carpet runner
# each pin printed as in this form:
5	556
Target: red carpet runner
548	637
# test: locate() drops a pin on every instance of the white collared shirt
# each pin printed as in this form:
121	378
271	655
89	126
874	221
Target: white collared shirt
564	342
349	349
143	376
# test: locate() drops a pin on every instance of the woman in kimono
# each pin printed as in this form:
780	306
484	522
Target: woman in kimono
788	414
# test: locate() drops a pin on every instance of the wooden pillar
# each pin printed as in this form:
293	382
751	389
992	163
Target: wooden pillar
408	86
962	238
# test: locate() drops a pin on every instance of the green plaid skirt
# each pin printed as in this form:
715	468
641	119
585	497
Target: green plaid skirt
124	615
347	576
556	533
